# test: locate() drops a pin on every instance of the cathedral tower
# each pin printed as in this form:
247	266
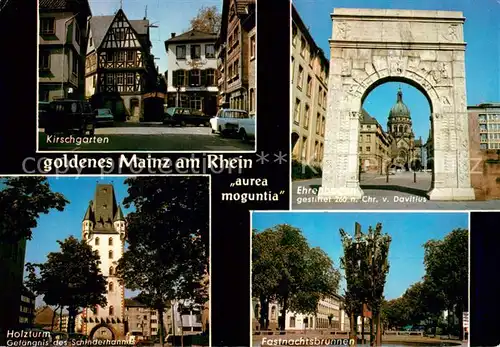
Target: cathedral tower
103	227
399	126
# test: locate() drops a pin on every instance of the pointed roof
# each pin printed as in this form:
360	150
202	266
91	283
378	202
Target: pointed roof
81	6
119	215
99	26
193	35
399	109
89	215
104	209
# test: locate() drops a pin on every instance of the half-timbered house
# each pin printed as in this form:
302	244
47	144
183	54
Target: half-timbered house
119	69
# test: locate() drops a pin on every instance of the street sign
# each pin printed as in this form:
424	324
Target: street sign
466	320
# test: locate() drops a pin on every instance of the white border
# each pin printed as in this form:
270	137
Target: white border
146	151
361	212
209	223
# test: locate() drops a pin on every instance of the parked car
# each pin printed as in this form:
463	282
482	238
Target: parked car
104	116
226	122
70	116
246	128
183	116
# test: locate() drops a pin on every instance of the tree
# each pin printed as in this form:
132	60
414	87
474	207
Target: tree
207	20
395	313
168	238
366	267
286	269
378	264
265	271
22	200
70	278
351	263
446	264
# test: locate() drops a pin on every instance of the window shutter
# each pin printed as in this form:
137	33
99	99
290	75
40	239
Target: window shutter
175	80
204	78
191	79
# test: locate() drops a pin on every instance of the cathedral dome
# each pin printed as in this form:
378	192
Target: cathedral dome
399	109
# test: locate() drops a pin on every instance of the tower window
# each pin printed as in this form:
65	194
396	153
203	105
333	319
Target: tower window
111	310
111	271
97	241
110	254
110	286
110	241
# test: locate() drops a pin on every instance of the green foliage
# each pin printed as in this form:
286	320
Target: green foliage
447	269
285	268
168	237
22	200
366	267
70	278
444	286
301	171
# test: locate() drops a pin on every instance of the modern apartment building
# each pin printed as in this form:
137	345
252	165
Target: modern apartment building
144	320
27	308
309	94
484	121
62	48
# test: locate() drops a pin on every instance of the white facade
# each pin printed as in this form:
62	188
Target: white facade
189	320
186	64
110	248
103	228
299	321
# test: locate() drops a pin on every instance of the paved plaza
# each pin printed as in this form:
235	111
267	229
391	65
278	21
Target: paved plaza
400	193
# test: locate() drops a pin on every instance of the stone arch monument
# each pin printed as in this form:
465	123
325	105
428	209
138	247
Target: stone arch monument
425	49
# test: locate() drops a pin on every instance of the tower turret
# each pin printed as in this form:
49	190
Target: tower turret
88	222
119	222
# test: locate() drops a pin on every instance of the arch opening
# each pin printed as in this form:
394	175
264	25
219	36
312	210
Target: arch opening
394	134
102	332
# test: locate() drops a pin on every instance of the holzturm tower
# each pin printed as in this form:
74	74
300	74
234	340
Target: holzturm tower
399	126
103	227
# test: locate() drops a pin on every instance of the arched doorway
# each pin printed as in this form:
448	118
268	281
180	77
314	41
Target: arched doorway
102	332
422	48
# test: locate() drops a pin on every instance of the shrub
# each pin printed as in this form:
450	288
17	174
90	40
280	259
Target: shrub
304	171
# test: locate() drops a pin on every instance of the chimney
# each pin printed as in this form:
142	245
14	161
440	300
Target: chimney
172	35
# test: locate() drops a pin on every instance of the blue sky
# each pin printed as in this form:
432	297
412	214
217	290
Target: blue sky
409	231
60	225
482	34
171	16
